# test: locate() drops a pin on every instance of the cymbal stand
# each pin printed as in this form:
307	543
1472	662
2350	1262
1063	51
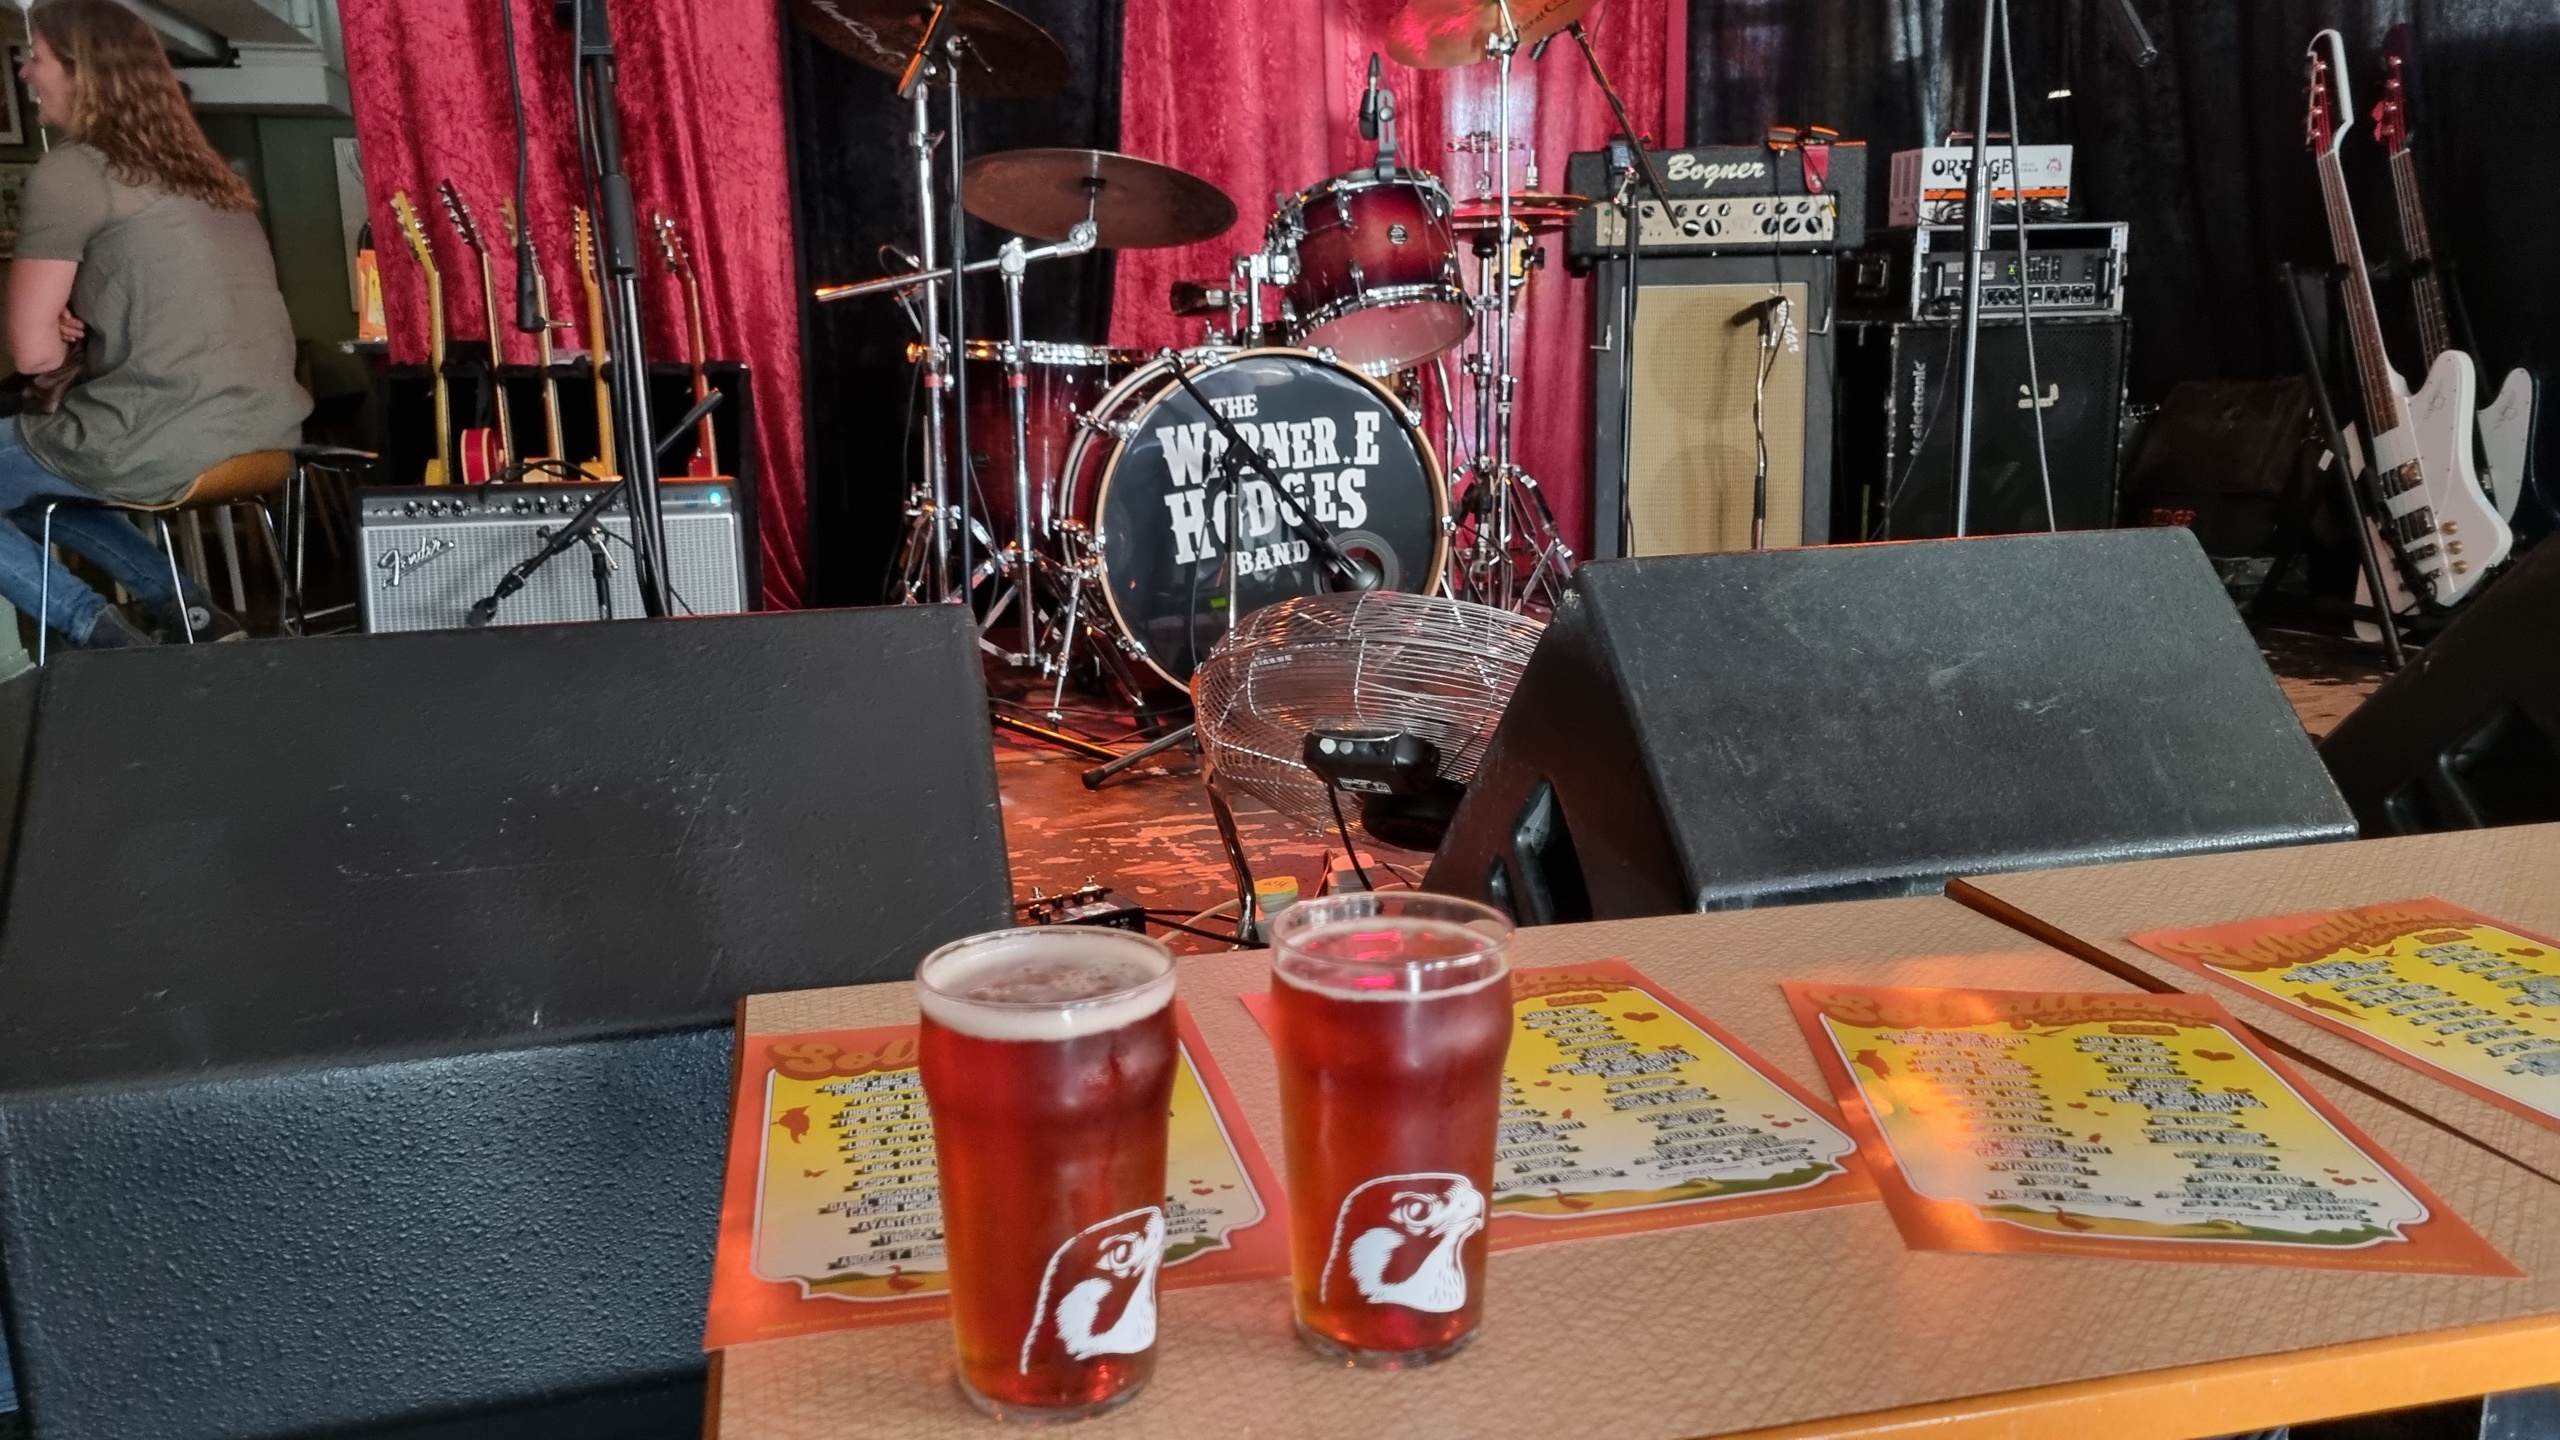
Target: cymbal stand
1511	517
916	87
1013	259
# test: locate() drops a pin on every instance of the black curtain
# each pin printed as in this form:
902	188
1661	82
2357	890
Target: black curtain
2203	153
853	185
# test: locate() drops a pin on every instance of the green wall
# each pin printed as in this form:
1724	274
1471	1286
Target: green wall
291	161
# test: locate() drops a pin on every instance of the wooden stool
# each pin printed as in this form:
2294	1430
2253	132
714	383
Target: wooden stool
241	480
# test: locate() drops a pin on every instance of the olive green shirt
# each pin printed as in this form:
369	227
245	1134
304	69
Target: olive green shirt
189	351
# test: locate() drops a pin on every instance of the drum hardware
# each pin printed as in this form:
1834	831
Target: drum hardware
1513	528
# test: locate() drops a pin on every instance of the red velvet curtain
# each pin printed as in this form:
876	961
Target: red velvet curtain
1263	97
702	108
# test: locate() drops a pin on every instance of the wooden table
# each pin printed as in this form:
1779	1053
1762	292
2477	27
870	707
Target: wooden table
1813	1323
2511	874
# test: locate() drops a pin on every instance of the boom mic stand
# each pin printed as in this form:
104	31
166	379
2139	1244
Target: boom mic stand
627	379
1339	563
2135	41
1631	214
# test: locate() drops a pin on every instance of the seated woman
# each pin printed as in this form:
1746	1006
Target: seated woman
138	244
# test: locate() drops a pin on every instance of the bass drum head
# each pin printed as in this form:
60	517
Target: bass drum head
1343	448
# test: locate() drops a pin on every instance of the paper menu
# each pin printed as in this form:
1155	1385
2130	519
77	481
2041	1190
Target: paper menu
830	1214
2126	1125
1624	1110
2468	999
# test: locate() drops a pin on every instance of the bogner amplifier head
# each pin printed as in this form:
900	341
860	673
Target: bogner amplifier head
1728	199
427	554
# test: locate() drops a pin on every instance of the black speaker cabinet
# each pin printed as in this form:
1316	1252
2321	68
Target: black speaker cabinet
1900	388
1727	731
1697	361
2467	735
365	1002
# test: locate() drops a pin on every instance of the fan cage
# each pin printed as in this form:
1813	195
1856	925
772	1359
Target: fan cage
1438	668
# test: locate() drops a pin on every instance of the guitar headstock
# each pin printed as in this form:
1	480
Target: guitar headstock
671	245
460	211
583	234
410	229
2391	112
2332	112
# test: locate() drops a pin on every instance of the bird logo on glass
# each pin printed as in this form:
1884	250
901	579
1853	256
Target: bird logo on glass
1098	1296
1408	1230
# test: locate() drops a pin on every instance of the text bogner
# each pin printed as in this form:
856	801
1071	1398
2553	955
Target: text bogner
1296	448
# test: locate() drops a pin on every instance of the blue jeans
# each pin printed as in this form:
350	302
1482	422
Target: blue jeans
100	535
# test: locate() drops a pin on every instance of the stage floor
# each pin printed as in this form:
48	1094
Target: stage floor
1149	834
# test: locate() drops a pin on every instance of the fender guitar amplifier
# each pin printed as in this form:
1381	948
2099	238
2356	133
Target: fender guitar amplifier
428	555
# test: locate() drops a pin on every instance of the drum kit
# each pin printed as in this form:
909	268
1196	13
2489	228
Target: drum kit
1121	509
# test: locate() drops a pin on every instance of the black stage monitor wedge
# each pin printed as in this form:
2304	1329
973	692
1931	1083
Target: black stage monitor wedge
2469	734
365	1002
1718	732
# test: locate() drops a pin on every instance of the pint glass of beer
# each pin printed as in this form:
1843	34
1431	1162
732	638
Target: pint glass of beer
1390	1017
1047	1057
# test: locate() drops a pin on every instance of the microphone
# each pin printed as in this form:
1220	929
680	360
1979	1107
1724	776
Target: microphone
1369	101
1538	51
1770	313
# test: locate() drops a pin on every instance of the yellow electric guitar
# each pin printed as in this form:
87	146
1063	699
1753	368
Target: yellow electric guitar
440	465
542	337
706	447
599	349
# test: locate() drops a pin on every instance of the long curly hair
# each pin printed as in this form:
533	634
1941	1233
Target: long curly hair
126	102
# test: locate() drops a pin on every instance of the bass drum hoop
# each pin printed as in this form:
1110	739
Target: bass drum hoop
1435	577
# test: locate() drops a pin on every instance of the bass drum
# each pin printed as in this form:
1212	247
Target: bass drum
1152	509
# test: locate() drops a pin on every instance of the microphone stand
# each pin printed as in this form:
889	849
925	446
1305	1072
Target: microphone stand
1354	574
627	381
581	527
1631	215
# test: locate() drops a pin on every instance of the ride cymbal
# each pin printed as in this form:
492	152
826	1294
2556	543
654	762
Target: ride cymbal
1135	204
1438	34
1002	54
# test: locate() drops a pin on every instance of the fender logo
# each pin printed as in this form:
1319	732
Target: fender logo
397	567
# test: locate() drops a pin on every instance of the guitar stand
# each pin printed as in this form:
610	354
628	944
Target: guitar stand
2360	515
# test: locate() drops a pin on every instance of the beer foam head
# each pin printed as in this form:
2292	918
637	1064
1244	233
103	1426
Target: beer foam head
1055	982
1390	947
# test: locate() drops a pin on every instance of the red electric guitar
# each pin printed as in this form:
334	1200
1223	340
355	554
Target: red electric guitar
706	450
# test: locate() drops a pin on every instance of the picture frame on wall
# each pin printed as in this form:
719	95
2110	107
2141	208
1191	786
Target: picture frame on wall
17	110
13	184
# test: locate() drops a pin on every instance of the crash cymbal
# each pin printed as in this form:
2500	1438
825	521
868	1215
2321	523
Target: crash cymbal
1136	204
1002	54
1537	214
1437	34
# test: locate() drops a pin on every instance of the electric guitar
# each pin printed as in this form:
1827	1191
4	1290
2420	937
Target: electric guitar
440	465
2508	422
706	448
2434	512
541	337
599	349
485	452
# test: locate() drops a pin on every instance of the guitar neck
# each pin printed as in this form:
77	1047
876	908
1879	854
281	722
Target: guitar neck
497	357
435	369
550	386
2433	328
2383	410
706	441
